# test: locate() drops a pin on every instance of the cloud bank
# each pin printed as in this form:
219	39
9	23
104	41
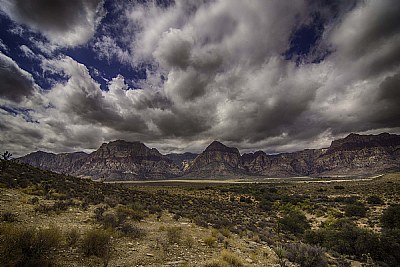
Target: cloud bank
214	70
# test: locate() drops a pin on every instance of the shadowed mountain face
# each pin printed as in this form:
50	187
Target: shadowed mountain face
121	160
61	163
215	161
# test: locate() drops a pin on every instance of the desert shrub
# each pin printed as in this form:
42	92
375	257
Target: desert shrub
109	220
357	209
111	201
98	212
97	242
266	205
281	253
34	200
174	234
294	222
231	258
72	237
57	206
28	246
346	238
8	216
306	255
339	187
210	241
132	230
214	263
189	241
374	200
225	232
390	247
134	213
391	217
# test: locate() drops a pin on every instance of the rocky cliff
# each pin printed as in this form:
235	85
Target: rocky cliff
215	161
121	160
360	154
61	163
118	160
282	165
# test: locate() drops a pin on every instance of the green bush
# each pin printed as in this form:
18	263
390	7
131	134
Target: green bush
214	263
8	216
355	210
390	247
124	212
346	238
232	259
132	230
390	218
306	255
28	246
294	222
374	200
97	242
174	234
72	236
210	241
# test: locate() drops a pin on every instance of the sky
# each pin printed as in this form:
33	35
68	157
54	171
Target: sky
277	76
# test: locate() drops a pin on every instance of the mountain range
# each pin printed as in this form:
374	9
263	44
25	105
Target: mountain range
121	160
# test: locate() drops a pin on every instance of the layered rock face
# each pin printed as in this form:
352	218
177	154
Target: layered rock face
287	164
121	160
118	160
360	154
61	163
216	160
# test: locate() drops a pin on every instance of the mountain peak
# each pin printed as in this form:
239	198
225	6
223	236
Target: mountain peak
218	146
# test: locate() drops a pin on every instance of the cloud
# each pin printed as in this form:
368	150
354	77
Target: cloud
66	23
16	83
217	70
84	101
3	47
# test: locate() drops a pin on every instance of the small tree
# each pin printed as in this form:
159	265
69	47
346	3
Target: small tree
5	157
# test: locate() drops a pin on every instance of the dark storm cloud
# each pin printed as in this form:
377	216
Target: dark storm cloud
181	124
218	70
15	83
69	23
380	22
389	99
